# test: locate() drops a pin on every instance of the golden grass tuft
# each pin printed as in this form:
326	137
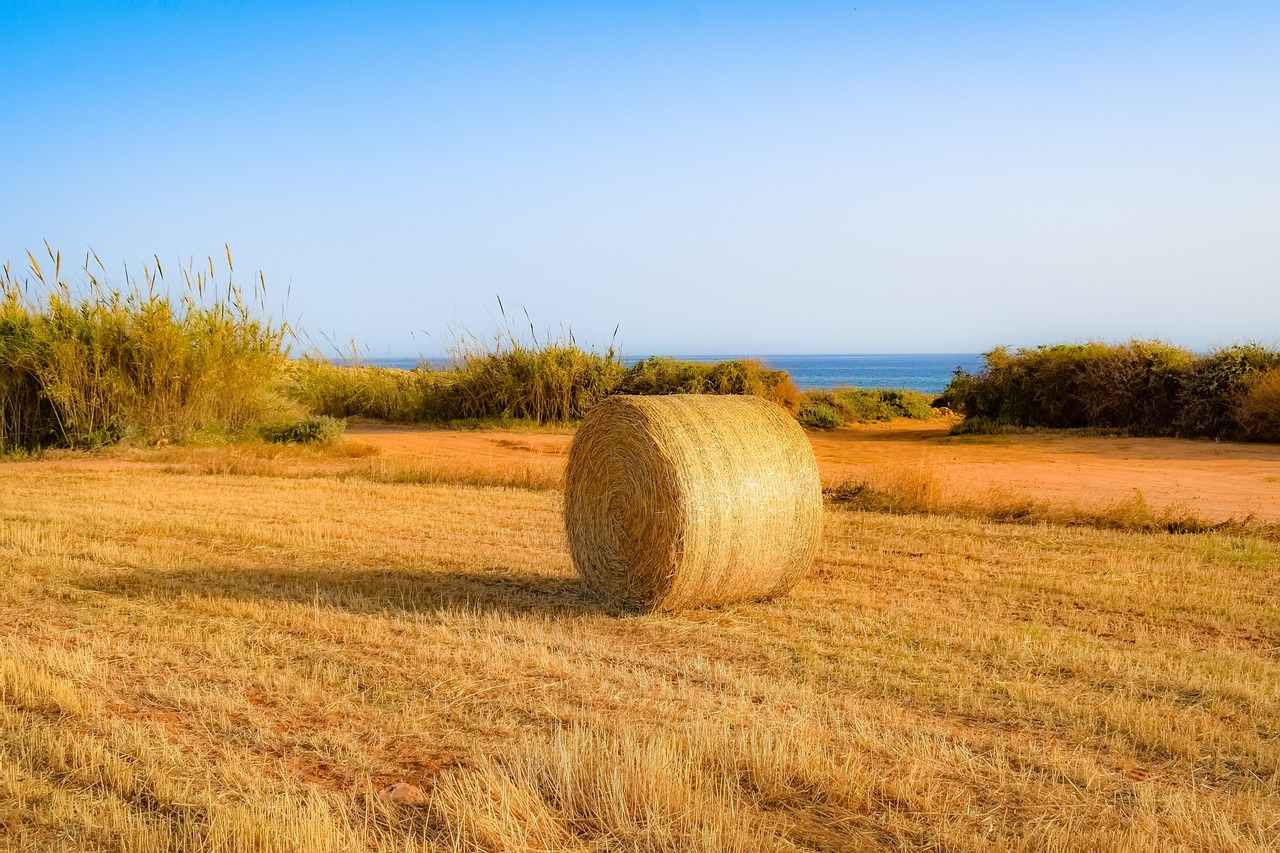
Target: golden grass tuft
689	500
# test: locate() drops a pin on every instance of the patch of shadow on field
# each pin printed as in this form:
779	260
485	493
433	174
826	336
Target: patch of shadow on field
365	591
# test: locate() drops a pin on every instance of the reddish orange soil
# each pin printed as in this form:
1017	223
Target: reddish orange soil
462	445
1213	480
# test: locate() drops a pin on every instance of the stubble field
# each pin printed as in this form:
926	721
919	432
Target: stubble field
237	648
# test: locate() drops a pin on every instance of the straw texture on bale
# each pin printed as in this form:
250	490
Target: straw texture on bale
691	500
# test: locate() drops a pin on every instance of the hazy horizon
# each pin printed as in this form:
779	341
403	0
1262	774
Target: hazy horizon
812	178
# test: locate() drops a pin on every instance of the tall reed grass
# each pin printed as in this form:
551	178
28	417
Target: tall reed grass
552	382
380	393
89	364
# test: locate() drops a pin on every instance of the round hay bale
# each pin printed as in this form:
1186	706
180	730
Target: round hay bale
691	500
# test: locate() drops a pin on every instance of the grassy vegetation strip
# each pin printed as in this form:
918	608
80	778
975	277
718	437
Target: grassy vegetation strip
92	364
241	661
558	383
555	382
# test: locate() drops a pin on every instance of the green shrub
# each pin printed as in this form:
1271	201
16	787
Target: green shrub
1136	386
1044	386
553	383
660	375
819	416
882	404
858	405
316	429
979	425
1141	387
1215	389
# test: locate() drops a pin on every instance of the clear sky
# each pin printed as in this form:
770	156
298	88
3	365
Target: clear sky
733	177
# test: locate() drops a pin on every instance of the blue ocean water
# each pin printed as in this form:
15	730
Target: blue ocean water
927	372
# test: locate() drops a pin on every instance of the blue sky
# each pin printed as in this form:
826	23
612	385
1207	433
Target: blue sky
735	177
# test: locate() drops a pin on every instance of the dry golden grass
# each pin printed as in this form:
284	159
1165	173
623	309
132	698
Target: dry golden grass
922	486
351	460
235	660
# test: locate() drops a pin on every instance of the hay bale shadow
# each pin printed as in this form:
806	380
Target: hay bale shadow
367	591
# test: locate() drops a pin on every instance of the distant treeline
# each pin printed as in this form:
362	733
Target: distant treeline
1141	387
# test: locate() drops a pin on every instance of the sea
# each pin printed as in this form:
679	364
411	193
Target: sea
927	372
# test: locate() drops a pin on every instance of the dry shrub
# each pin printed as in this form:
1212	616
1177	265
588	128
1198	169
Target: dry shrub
689	500
784	392
1259	410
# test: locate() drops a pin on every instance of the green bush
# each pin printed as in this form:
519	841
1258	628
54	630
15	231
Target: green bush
979	425
858	405
660	375
819	416
554	383
1141	387
882	404
1216	387
316	429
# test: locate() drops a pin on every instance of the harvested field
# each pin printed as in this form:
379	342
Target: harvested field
1214	480
200	649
